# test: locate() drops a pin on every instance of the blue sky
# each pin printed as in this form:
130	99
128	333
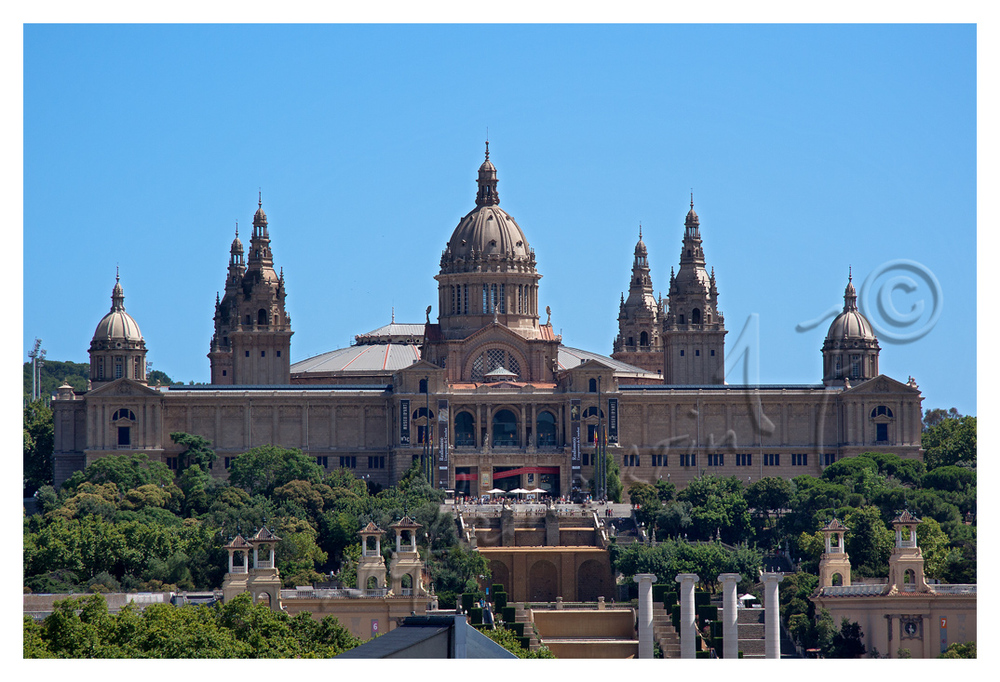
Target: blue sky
809	149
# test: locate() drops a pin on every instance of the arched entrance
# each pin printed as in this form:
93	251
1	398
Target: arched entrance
591	581
543	581
500	575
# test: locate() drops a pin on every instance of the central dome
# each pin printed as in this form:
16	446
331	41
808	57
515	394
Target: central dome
117	327
487	236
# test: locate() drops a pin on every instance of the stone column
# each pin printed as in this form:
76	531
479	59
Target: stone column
687	581
772	631
645	581
730	629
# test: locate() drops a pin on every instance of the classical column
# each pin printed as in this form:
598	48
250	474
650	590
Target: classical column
772	632
687	581
645	581
730	629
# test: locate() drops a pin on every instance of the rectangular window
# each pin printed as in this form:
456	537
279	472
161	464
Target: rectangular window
828	459
855	366
716	460
172	463
697	353
118	368
376	462
124	435
348	462
247	353
881	432
321	461
689	460
223	372
586	459
772	460
682	352
278	352
229	461
800	460
659	460
465	299
744	460
262	353
100	368
630	460
712	353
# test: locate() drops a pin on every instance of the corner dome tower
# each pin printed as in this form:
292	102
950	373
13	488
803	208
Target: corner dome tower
117	349
487	269
850	349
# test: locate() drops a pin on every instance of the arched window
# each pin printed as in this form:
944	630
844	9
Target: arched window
546	429
882	416
123	420
881	410
261	317
837	580
909	577
372	583
696	316
123	414
593	386
643	339
423	386
505	428
406	582
118	368
465	429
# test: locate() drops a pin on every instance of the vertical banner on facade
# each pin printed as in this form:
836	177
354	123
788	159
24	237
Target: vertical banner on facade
613	420
574	427
404	422
442	444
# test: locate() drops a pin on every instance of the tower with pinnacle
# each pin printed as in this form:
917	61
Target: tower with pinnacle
639	342
694	329
252	330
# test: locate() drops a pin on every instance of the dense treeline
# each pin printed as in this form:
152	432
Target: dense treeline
53	373
125	523
81	627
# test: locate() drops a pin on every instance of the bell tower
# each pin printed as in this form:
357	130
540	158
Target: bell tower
253	332
834	565
694	330
638	342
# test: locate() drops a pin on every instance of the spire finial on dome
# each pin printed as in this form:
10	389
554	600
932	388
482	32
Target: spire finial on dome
487	144
640	230
237	228
393	318
260	200
850	275
692	197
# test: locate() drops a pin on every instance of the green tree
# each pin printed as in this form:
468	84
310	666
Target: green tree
960	650
197	450
195	483
615	487
125	471
933	417
950	442
645	495
38	447
262	469
158	378
869	543
718	507
847	643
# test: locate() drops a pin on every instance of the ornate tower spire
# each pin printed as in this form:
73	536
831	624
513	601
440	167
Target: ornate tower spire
693	328
638	341
487	194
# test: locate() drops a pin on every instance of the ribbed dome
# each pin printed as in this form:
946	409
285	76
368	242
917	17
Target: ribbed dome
850	324
488	231
117	325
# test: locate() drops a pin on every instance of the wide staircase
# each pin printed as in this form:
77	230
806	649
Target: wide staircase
587	633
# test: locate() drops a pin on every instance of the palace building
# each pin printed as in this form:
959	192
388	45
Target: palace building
487	388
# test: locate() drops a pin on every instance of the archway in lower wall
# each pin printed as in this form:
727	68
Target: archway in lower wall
543	581
501	575
591	581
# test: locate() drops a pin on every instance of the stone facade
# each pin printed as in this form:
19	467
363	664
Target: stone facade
492	396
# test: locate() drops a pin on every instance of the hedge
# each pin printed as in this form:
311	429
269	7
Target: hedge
509	613
475	615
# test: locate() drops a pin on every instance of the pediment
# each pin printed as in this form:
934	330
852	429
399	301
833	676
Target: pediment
422	366
495	332
880	384
122	388
591	365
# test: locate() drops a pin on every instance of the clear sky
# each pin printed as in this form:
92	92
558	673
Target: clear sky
809	148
